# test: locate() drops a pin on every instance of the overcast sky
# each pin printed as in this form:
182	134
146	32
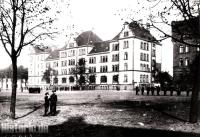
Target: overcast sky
104	17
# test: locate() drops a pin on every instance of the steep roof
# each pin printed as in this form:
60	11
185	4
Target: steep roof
53	55
86	37
140	32
186	29
100	47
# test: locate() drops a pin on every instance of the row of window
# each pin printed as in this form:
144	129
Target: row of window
144	46
144	78
183	49
144	67
144	57
184	62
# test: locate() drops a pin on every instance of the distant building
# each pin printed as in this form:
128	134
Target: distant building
184	55
6	84
131	58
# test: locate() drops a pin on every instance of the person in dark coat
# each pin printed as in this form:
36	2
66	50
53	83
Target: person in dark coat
148	90
142	90
158	90
53	101
137	90
46	103
152	90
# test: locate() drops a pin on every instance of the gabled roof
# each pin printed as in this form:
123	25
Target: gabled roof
139	31
86	38
54	55
100	47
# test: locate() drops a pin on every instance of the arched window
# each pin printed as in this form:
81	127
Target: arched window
92	79
71	79
115	78
64	80
103	79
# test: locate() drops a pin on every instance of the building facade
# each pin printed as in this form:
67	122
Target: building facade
184	54
131	58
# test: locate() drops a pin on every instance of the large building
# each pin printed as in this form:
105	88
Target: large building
184	54
131	58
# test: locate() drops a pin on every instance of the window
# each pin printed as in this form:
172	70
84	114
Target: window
64	63
126	34
71	79
103	79
92	60
115	57
186	49
92	69
125	78
125	55
115	68
71	45
180	62
104	59
115	47
153	53
55	80
63	54
144	46
103	69
81	52
64	71
115	78
141	45
92	79
71	62
144	57
126	44
181	48
71	53
63	80
125	66
186	62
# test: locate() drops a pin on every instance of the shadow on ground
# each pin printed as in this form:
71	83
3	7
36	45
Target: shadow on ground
175	110
34	108
77	127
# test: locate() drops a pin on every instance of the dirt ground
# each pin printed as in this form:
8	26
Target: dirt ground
109	111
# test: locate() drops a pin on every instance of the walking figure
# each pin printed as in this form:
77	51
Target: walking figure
53	101
142	90
152	90
137	90
148	90
46	103
158	90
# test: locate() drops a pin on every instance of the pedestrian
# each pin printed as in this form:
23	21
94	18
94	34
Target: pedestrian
142	90
53	102
137	90
148	90
152	90
158	90
46	103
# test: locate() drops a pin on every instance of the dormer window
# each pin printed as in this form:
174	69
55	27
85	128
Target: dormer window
71	45
126	34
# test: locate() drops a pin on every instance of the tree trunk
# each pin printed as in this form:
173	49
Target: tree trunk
194	107
14	87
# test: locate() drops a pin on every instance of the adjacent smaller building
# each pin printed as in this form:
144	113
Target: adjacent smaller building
183	54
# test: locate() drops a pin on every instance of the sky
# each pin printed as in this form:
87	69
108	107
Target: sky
103	17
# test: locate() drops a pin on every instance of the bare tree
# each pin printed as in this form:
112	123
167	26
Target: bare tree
23	23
